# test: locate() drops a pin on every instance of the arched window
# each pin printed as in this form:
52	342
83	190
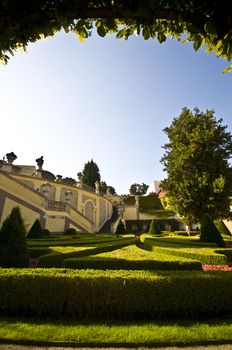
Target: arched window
89	210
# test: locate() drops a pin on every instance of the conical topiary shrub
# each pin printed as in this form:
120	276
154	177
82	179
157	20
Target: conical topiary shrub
222	228
209	232
13	247
120	230
154	228
35	230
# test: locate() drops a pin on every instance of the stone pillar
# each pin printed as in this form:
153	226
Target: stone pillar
137	206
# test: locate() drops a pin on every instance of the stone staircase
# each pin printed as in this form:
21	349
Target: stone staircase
106	228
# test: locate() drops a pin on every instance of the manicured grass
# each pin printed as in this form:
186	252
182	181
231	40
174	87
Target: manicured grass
56	259
133	258
29	329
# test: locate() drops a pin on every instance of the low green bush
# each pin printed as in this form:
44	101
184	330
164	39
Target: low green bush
35	230
180	241
154	228
45	232
71	231
69	241
120	230
56	259
99	263
140	224
227	252
93	294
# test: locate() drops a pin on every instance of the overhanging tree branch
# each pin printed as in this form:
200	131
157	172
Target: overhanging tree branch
206	23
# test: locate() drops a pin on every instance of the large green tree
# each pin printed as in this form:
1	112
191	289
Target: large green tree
205	23
91	173
196	159
138	189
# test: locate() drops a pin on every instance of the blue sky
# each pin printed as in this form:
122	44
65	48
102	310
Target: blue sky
105	99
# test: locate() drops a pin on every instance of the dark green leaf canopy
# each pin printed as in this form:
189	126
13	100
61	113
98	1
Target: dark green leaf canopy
205	23
91	174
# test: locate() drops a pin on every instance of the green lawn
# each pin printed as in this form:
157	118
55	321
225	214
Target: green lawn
144	333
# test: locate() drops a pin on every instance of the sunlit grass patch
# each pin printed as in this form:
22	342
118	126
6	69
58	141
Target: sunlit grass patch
115	332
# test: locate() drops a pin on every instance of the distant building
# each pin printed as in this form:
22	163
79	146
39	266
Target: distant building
154	188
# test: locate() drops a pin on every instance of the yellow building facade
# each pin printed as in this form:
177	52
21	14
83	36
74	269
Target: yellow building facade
58	203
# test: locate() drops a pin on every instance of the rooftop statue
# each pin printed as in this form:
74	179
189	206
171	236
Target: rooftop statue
11	157
40	162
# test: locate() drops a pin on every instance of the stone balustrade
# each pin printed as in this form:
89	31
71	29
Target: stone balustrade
57	206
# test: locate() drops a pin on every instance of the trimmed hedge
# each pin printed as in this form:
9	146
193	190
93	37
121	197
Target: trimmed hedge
201	254
35	252
70	231
56	259
99	263
75	242
172	241
172	223
88	294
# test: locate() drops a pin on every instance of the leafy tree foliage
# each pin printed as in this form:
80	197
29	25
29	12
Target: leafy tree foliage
197	164
205	23
112	190
13	248
138	190
209	232
104	187
91	173
35	230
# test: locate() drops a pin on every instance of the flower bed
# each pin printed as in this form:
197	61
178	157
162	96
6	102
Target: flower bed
216	268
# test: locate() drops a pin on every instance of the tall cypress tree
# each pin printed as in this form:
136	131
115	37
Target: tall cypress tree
91	173
13	248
